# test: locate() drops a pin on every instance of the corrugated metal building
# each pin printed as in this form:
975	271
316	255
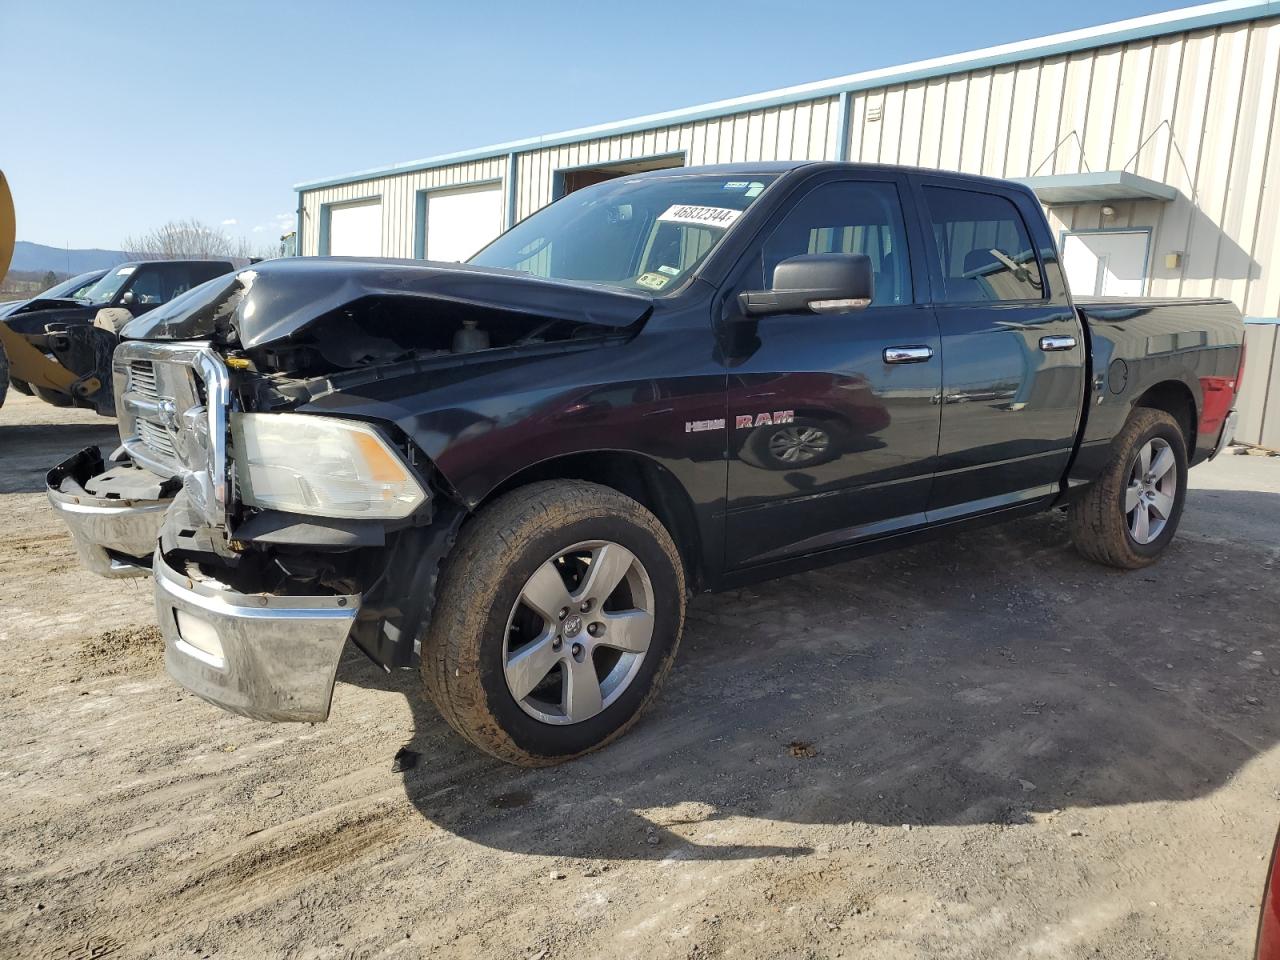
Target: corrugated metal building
1152	142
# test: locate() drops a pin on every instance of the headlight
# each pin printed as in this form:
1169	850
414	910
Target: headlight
321	466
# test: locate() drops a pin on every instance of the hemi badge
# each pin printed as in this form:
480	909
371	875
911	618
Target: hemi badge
698	426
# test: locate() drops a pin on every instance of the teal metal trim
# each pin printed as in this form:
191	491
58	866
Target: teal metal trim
420	225
1270	320
1099	187
511	185
1139	28
842	131
420	210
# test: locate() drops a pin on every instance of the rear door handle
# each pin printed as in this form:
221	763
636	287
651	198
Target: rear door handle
1050	344
911	354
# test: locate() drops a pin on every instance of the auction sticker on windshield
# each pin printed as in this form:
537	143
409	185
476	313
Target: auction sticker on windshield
703	216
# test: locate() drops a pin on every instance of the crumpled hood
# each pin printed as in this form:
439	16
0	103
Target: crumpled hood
272	301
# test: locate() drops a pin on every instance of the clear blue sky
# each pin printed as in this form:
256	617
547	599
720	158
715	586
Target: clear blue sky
119	116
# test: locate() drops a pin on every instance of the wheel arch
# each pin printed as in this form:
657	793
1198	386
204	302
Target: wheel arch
635	475
1176	399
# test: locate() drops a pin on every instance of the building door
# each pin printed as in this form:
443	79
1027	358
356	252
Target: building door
355	230
460	222
565	182
1111	263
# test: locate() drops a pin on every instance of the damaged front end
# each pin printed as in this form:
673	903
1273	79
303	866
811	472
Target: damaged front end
273	534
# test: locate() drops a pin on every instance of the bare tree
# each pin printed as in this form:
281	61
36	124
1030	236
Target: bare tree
189	239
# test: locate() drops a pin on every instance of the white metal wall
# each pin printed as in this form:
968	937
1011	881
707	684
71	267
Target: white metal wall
794	131
798	131
1195	110
399	201
1259	400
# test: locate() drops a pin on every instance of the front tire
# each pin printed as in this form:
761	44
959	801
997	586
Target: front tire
558	616
1129	515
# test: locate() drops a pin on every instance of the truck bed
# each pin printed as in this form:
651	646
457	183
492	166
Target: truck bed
1141	344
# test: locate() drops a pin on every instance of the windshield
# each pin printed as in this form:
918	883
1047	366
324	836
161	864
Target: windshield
70	289
643	234
105	290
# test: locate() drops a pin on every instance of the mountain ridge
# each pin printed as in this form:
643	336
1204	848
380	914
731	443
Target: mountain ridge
38	256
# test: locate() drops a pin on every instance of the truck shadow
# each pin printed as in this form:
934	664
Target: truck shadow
987	678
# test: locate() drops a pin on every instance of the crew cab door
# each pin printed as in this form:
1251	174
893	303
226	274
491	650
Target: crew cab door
1013	351
830	442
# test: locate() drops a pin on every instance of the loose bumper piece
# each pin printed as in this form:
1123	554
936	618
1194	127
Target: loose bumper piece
114	537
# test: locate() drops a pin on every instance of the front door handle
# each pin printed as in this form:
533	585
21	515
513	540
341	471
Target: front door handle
1050	344
911	354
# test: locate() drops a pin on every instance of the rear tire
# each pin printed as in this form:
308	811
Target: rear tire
1106	524
4	374
569	594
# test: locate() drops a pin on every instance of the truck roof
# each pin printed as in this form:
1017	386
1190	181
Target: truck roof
779	167
151	263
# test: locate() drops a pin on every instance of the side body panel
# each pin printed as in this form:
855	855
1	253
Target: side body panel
659	395
1139	344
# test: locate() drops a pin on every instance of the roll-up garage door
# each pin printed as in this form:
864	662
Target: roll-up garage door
355	229
460	222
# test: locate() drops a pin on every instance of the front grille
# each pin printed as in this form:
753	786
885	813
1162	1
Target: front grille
142	378
154	436
171	404
157	438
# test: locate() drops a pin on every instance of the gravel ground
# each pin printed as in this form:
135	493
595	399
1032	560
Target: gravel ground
982	747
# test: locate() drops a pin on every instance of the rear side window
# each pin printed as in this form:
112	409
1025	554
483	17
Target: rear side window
160	283
983	248
848	217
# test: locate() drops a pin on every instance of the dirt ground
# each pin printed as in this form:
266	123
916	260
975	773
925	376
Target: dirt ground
985	747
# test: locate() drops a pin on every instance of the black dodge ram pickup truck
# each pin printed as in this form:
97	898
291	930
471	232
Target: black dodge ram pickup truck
512	473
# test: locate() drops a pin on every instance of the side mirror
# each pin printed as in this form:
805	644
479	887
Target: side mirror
814	283
127	298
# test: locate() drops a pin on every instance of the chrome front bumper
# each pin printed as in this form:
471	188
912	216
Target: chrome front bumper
260	655
114	537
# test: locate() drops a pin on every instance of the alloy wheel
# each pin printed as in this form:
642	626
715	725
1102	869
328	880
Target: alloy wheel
578	632
1151	492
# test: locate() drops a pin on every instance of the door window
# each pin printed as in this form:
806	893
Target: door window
983	248
848	217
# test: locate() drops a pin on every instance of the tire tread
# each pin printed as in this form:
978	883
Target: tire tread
1097	528
474	570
